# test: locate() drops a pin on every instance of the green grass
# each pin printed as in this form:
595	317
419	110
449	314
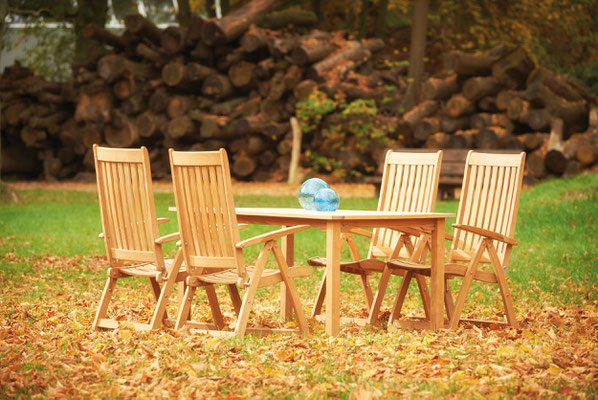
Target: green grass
51	300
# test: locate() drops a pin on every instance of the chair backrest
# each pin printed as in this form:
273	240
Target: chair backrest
489	200
206	211
409	184
127	205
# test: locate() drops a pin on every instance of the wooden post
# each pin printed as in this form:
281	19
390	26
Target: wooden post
294	176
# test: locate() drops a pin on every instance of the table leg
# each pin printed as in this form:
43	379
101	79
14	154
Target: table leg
437	276
288	249
333	272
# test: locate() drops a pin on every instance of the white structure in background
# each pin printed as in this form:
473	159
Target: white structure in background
16	45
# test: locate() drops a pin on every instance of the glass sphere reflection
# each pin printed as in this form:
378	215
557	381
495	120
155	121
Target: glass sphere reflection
307	191
326	200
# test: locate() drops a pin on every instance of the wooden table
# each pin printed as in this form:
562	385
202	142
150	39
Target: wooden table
333	223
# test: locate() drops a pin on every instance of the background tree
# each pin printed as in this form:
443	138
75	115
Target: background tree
417	52
89	11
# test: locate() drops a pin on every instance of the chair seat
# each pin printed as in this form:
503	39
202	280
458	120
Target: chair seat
150	270
367	266
230	276
405	265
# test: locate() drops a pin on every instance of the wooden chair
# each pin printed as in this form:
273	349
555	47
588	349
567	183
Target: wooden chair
130	231
212	249
483	233
409	184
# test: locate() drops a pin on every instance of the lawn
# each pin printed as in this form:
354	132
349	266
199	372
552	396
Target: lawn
52	273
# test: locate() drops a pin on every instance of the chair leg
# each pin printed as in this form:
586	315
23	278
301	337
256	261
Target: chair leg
465	285
185	307
104	301
160	311
375	308
367	290
424	293
402	292
449	303
241	325
507	298
317	309
235	297
156	290
215	306
291	288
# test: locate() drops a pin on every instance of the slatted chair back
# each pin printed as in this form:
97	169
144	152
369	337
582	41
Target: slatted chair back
489	200
409	184
206	211
127	206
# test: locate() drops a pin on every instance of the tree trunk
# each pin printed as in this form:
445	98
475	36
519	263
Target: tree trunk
417	52
233	25
88	11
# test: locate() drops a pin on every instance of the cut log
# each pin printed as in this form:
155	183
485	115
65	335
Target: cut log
181	127
254	39
18	159
180	105
450	125
518	109
504	98
217	86
538	119
352	52
187	76
532	141
150	124
438	140
462	139
229	107
486	139
94	108
573	168
574	114
482	120
193	33
145	51
304	89
312	48
513	70
124	88
440	88
243	165
534	164
587	155
140	26
235	23
488	104
172	40
112	66
122	132
49	121
158	101
556	83
419	112
458	105
215	127
201	52
134	104
241	74
469	64
243	126
426	127
91	134
289	16
276	130
477	87
280	46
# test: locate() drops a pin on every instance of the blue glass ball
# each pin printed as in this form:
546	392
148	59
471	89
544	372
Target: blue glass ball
307	191
326	200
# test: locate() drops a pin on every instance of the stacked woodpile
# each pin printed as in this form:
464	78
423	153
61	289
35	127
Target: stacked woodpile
502	100
235	82
230	83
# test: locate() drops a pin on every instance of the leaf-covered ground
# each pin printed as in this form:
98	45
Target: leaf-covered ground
47	348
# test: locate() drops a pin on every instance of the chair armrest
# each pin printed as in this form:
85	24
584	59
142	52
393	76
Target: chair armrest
243	226
101	235
270	236
172	208
168	238
163	220
487	233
